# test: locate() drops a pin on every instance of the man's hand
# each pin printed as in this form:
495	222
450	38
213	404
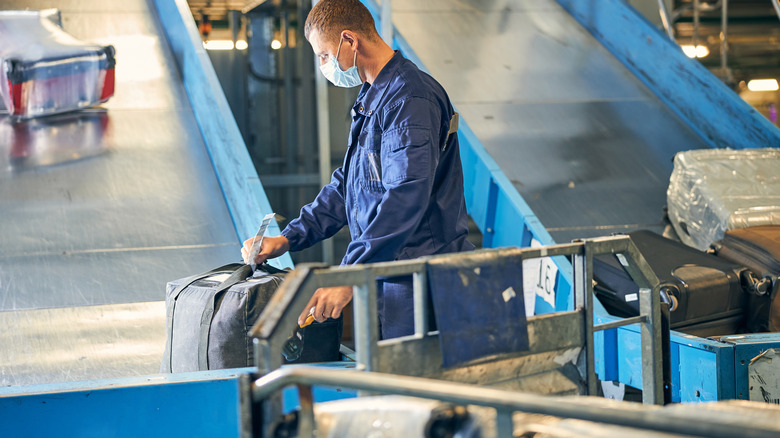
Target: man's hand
272	247
328	302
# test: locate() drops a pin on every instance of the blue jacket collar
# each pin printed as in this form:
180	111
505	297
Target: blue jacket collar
371	94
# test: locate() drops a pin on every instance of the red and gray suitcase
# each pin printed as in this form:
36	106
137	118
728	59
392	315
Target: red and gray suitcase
44	70
705	293
758	248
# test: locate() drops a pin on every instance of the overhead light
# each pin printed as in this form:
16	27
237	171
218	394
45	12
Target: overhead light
241	45
218	45
695	51
762	85
276	44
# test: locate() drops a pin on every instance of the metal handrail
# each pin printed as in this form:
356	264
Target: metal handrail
665	20
505	402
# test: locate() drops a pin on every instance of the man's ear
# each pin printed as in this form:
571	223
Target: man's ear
351	38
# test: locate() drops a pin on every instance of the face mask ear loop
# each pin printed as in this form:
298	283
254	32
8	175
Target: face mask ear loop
341	40
354	60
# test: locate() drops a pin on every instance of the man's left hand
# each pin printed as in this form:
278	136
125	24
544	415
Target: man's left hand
328	302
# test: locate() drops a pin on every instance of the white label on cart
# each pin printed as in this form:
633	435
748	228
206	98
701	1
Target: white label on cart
508	294
631	297
538	279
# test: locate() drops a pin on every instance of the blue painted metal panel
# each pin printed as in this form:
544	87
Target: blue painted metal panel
170	406
702	369
290	400
629	348
674	351
605	343
186	404
746	347
706	375
237	176
715	112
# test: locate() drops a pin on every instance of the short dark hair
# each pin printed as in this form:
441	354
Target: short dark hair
331	17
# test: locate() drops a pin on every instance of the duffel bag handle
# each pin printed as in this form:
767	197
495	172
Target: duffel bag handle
230	267
239	275
244	272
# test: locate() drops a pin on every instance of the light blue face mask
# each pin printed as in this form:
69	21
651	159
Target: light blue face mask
338	77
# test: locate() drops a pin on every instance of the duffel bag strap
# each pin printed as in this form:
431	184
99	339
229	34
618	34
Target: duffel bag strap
167	355
240	274
205	327
232	268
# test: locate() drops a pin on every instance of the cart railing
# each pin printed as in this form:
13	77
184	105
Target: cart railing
419	355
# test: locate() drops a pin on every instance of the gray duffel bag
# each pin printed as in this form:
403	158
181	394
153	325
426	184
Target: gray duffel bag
209	317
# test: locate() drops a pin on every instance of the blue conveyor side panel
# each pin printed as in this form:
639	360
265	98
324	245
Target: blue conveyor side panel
244	194
703	101
182	405
198	404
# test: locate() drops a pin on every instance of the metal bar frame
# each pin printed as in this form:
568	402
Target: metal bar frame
688	423
277	320
665	19
724	37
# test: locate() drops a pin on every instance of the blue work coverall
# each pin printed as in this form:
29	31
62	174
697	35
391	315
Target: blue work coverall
400	189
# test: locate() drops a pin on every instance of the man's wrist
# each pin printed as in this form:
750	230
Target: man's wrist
291	236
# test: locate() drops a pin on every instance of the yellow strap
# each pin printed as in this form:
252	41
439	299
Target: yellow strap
453	128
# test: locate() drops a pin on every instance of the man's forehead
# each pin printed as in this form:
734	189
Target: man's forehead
320	44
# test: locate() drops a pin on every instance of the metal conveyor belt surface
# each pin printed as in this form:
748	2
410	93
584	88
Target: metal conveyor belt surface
99	209
586	144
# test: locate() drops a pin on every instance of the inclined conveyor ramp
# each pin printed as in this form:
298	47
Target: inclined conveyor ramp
100	208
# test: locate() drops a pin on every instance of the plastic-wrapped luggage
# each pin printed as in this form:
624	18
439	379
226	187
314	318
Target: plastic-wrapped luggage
209	317
44	70
391	416
705	293
714	190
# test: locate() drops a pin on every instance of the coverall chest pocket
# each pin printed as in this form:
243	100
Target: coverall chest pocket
370	161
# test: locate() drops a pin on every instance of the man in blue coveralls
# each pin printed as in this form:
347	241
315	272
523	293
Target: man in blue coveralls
400	189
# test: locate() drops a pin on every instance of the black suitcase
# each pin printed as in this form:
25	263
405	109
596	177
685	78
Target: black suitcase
758	248
705	293
209	317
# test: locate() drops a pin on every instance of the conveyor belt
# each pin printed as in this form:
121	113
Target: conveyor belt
101	208
585	143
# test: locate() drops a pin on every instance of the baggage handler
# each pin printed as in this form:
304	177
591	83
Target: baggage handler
400	189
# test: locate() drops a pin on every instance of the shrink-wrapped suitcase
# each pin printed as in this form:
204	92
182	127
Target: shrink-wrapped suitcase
758	248
714	190
44	70
209	317
705	293
391	416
